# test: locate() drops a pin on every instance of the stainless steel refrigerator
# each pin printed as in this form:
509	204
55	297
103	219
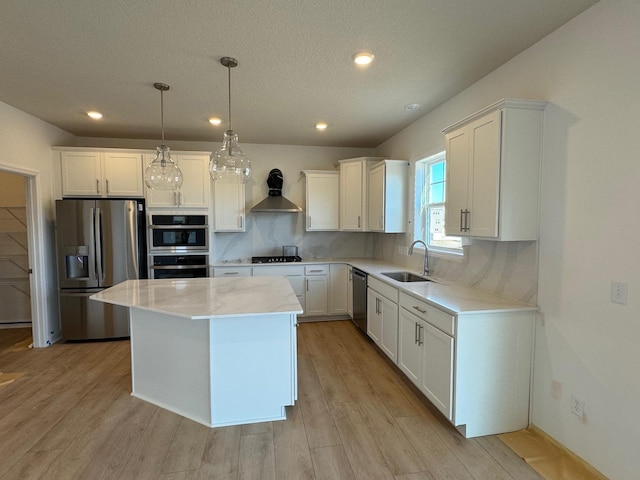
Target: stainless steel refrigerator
99	243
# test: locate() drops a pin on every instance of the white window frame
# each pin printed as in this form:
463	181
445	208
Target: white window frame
422	209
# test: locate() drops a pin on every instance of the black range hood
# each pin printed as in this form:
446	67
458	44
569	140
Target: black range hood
275	202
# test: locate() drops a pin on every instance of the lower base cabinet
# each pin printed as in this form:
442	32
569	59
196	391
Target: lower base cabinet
475	368
294	273
426	357
382	317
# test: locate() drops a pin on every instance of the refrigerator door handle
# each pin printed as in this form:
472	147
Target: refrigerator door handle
132	244
89	222
97	224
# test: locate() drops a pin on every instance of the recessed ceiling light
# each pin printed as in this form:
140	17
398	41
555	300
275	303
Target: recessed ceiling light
215	121
95	115
412	106
321	126
363	58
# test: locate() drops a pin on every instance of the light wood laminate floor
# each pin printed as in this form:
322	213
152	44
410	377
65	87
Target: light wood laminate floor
71	417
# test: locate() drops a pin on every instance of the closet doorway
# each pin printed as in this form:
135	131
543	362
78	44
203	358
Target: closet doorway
15	291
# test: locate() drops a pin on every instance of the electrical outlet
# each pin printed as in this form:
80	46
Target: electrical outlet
577	406
619	292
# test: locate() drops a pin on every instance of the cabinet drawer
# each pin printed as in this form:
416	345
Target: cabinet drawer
439	319
271	270
316	270
231	271
383	289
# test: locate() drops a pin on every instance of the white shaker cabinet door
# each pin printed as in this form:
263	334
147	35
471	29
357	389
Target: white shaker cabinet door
123	174
229	207
437	368
81	174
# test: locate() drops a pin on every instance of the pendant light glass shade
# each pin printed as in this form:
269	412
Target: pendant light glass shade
162	173
230	164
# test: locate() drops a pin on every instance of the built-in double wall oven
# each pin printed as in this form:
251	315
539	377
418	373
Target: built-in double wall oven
178	246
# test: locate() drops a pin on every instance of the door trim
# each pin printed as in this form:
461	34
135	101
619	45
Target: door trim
37	260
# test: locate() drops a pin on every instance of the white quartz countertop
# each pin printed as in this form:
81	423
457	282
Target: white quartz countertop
199	298
455	299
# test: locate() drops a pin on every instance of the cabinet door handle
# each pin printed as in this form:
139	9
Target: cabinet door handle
98	186
358	221
307	284
467	223
415	333
107	186
241	221
180	199
421	310
461	217
420	336
175	199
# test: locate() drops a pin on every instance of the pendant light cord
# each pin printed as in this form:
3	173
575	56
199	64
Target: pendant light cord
162	114
229	85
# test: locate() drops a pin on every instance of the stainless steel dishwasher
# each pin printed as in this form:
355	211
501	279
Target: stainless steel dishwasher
359	282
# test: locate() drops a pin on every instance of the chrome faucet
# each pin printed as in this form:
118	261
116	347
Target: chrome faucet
425	268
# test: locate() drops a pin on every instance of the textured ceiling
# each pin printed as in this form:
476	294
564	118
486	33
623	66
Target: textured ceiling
61	59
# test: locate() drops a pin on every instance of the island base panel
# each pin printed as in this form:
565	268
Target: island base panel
170	363
218	371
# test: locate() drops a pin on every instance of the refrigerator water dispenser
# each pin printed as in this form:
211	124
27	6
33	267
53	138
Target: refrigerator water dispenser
77	261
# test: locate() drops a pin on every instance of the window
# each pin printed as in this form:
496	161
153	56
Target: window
430	194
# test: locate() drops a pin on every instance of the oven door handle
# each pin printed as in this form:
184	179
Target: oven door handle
178	267
178	227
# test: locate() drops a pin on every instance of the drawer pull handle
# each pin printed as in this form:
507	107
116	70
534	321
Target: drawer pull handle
231	273
315	271
421	310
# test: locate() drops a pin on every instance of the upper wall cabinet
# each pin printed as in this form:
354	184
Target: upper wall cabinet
322	205
354	180
93	173
388	196
493	172
195	189
228	207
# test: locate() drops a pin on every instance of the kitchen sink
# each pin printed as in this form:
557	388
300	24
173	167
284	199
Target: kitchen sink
405	277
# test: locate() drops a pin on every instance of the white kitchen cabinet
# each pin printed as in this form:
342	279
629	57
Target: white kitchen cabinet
232	271
322	200
425	355
195	190
382	316
93	173
294	273
316	290
493	171
339	285
475	368
387	204
354	180
228	207
410	351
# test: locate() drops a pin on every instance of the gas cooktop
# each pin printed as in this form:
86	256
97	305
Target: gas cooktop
276	259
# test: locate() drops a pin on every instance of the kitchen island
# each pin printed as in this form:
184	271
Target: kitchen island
219	351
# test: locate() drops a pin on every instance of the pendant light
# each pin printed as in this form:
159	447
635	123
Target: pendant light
229	164
162	173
